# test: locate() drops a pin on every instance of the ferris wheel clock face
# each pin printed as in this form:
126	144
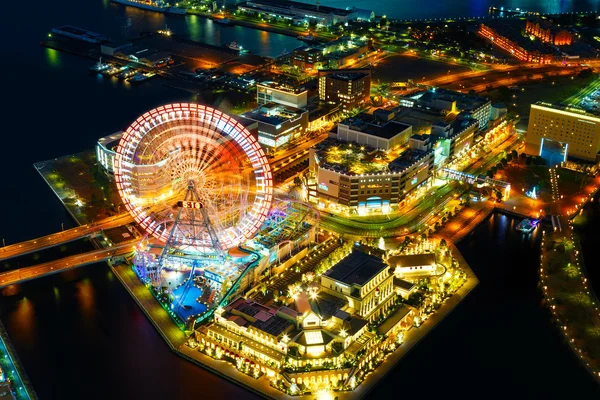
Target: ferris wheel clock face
169	147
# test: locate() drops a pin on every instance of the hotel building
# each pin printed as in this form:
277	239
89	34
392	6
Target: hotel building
576	130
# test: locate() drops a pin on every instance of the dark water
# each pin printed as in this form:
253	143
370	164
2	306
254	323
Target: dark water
499	342
80	335
412	9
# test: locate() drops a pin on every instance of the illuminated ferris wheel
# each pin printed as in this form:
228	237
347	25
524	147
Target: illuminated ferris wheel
189	157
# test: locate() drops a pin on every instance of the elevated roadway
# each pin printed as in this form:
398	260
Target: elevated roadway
65	236
52	267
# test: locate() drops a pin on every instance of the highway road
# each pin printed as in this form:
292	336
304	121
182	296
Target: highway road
63	264
65	236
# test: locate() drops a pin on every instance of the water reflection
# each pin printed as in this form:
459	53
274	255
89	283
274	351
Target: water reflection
86	297
53	58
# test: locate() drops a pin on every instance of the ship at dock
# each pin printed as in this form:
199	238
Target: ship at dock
153	5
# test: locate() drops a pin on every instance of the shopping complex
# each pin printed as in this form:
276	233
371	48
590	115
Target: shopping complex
371	163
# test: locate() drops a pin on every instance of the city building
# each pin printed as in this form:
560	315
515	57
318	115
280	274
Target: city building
299	12
325	323
509	38
105	151
412	265
340	53
350	88
308	58
278	124
372	162
144	55
112	47
287	95
377	130
452	104
364	281
548	32
361	179
571	131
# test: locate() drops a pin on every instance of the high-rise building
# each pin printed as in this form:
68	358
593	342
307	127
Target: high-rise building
574	131
350	88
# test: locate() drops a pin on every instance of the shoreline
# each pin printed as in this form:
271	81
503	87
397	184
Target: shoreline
175	338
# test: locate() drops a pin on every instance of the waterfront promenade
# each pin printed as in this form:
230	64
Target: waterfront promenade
570	298
13	368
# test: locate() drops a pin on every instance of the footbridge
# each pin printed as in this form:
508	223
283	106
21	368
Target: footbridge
479	180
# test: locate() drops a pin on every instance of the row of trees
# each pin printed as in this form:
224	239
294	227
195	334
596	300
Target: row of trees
336	256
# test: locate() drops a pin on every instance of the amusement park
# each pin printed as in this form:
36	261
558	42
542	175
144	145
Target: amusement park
233	267
201	191
248	276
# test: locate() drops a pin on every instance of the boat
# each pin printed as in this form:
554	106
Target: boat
99	67
140	77
236	47
128	73
222	21
113	70
153	5
527	225
307	38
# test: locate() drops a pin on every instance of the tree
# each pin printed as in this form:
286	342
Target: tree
297	181
528	160
443	243
514	154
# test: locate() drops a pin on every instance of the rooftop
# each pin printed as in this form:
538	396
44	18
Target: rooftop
273	326
511	30
464	101
412	260
348	76
285	87
285	4
569	109
402	284
367	124
357	268
273	114
110	142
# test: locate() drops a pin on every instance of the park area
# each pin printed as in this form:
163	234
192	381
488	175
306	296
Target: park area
573	305
81	184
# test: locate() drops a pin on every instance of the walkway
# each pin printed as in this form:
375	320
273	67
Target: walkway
13	368
149	305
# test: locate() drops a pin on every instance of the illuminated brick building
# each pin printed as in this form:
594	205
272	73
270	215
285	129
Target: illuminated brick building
510	39
546	31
